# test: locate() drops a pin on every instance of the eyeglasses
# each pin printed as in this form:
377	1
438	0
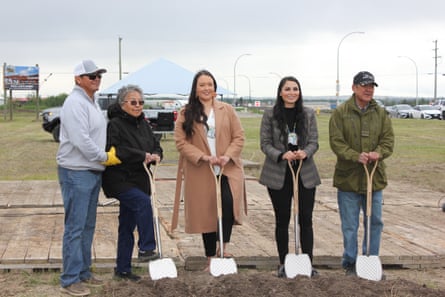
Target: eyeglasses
93	76
134	102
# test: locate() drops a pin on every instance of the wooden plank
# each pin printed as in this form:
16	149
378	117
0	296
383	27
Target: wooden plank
15	252
37	252
55	248
105	237
412	236
19	238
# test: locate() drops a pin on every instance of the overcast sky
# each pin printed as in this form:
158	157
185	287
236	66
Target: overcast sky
287	37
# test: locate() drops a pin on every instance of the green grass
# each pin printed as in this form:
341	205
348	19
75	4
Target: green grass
27	152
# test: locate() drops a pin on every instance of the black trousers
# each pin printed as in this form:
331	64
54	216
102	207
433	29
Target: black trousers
282	206
210	239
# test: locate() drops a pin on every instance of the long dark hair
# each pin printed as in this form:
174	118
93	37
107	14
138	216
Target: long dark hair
194	110
279	115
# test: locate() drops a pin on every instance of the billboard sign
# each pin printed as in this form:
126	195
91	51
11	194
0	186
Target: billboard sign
21	77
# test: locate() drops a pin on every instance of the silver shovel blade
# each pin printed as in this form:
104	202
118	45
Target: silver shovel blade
162	268
222	266
297	265
369	267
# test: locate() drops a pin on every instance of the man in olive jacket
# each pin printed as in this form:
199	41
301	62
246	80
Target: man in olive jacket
360	132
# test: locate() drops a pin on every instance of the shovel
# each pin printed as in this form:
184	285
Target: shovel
162	267
369	267
220	266
297	264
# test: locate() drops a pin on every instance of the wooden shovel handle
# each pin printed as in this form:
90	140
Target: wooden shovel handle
178	190
218	190
369	177
152	176
295	176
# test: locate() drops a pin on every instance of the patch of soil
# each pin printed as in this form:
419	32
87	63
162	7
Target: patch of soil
265	283
248	282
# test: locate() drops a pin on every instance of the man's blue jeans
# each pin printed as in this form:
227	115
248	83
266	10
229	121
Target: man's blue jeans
80	192
134	211
350	204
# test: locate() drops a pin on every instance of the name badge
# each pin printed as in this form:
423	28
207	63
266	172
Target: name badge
292	138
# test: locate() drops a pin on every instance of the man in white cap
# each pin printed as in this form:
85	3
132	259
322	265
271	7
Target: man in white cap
81	158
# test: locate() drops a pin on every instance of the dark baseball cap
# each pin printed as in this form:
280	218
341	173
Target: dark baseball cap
364	78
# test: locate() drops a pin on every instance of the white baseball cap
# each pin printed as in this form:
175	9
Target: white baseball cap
87	67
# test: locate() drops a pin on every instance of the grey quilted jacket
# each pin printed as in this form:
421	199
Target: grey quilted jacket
273	144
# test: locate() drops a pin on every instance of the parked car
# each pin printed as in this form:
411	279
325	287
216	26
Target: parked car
51	121
404	111
389	109
161	120
50	113
440	104
428	112
380	103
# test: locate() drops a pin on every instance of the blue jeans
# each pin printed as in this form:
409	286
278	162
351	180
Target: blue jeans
350	204
80	193
134	210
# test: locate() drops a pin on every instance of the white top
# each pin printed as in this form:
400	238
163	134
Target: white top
211	137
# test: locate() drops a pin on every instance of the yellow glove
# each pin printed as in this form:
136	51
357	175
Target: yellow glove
112	158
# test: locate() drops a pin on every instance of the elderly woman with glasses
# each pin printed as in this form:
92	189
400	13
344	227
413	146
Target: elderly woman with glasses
135	143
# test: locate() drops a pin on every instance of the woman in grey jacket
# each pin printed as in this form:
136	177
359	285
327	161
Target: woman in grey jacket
289	133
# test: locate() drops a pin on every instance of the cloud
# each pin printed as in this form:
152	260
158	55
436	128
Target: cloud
286	37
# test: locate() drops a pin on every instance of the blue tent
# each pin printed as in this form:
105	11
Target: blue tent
160	77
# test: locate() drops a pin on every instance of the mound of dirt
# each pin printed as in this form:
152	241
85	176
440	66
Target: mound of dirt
261	283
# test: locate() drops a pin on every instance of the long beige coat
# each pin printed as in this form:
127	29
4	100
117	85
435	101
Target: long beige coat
199	184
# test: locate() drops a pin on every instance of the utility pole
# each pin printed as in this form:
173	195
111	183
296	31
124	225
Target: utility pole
37	96
5	98
120	58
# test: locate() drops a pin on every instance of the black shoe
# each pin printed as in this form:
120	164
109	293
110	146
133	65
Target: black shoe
281	272
127	275
145	256
350	270
314	273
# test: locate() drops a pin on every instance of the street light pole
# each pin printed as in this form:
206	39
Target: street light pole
417	77
234	75
227	87
337	93
435	70
276	74
248	80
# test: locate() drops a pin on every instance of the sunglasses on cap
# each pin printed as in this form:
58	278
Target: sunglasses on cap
93	76
134	102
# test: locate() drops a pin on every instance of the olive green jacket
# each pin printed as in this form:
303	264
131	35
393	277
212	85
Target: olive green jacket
352	132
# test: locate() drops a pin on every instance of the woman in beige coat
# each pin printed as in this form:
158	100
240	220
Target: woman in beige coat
208	132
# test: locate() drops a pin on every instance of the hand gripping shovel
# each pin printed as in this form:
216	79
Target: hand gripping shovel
162	267
369	267
220	266
297	264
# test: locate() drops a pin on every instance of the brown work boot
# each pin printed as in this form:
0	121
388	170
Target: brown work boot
76	289
93	281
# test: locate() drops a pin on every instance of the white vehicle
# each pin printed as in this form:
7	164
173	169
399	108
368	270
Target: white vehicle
440	104
428	112
404	111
